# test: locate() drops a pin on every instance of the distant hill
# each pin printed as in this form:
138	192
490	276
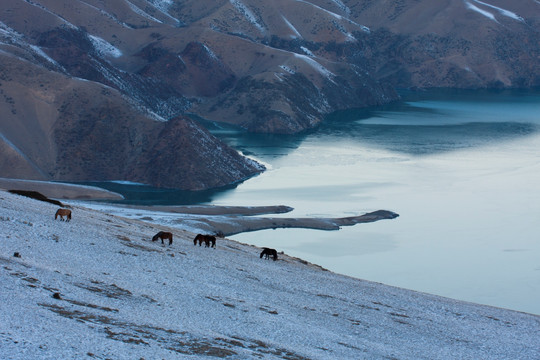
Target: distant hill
460	44
86	87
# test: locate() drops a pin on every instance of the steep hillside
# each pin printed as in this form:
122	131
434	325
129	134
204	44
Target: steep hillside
462	44
97	287
57	127
73	67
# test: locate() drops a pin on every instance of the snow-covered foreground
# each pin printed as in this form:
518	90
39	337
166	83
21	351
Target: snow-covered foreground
124	297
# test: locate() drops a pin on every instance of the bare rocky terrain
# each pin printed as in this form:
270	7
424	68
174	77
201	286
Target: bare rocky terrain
88	89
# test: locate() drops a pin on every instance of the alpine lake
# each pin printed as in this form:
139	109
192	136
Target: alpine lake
461	168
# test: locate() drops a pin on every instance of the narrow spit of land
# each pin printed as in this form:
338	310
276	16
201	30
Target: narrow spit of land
224	220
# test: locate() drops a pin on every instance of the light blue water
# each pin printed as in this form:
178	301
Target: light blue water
461	168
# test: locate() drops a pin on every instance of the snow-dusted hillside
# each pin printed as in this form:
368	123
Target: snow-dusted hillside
124	297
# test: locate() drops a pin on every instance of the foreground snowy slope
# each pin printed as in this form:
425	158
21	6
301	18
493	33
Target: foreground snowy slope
121	296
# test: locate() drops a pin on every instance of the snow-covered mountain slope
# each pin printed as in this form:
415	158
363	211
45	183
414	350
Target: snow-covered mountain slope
122	296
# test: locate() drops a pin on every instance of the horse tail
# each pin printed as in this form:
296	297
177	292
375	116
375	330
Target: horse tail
170	240
275	255
69	215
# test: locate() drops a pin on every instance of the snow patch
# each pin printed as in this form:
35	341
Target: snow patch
342	6
287	69
43	8
104	48
247	13
490	15
163	6
210	53
291	27
9	36
314	64
11	145
502	11
307	51
21	153
125	182
41	53
337	16
141	12
480	11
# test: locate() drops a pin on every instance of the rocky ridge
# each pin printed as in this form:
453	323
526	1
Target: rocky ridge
110	73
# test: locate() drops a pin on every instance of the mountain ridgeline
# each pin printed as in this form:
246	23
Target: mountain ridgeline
93	90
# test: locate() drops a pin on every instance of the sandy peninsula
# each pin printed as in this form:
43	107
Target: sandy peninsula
222	220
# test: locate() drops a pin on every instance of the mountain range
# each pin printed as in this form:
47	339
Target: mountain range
103	90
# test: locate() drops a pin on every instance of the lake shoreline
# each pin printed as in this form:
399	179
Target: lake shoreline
219	220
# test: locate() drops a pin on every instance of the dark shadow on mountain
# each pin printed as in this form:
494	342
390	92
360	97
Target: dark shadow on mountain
262	146
427	130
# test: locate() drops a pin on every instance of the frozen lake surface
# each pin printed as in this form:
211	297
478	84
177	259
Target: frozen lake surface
461	168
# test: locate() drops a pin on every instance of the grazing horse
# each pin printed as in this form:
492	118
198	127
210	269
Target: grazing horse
207	240
267	252
62	213
163	235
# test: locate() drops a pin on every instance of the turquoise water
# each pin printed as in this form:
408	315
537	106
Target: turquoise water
461	168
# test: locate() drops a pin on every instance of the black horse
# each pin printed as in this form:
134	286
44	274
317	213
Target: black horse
207	240
267	252
163	235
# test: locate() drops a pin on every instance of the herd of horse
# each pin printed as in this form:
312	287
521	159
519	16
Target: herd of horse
208	240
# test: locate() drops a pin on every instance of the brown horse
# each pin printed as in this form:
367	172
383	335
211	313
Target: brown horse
207	240
163	235
62	213
267	252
